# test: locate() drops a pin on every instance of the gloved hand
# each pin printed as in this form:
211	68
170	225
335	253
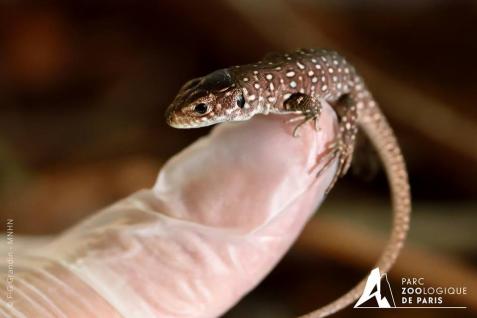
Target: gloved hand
220	216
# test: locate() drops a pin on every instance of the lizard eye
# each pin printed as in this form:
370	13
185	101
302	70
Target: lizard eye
240	101
201	109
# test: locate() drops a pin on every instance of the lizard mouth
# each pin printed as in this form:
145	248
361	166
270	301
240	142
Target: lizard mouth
175	121
169	115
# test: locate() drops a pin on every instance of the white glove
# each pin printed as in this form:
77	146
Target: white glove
220	216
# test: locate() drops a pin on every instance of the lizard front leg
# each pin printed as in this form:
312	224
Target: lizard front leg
309	109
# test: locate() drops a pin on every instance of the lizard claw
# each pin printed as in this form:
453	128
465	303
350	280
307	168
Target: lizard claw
294	119
316	122
335	149
304	118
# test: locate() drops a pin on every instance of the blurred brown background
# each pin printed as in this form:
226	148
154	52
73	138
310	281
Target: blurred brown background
83	88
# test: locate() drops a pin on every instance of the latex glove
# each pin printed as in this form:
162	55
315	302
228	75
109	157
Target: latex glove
220	216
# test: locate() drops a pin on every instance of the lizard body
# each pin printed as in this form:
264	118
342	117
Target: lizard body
299	83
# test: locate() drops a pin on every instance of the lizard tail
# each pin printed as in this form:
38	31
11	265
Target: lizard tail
376	127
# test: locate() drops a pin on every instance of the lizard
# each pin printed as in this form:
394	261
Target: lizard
299	83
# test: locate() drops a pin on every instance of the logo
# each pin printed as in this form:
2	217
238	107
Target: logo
377	292
414	293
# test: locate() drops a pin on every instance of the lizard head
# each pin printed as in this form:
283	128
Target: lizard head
207	100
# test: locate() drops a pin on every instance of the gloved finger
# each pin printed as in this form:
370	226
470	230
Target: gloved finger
221	215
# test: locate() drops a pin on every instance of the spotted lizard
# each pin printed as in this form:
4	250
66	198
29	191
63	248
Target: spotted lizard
299	83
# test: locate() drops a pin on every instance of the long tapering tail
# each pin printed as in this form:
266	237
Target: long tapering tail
376	127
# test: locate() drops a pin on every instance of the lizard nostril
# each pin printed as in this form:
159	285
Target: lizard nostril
169	114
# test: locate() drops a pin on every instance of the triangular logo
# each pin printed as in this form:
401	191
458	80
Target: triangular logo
377	293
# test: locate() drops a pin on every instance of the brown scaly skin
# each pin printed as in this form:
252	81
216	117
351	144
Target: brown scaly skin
298	83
